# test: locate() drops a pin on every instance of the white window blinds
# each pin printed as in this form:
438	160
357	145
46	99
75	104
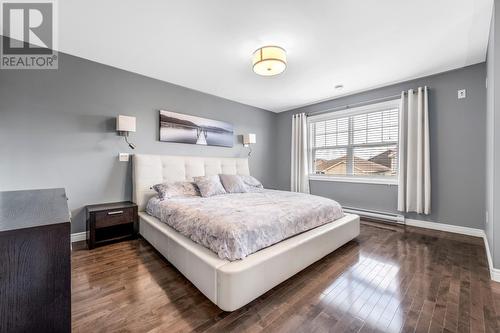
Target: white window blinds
361	142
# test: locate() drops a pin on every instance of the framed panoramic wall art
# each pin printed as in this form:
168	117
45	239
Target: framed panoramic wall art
182	128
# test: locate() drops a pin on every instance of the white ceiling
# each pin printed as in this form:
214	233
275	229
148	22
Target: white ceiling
207	45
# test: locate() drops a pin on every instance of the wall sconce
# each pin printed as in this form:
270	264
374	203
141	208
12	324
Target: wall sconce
125	125
249	139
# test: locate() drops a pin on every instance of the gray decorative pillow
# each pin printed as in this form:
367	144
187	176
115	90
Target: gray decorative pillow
233	183
251	182
176	189
209	185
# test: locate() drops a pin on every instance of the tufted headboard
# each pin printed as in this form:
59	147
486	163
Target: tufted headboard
149	170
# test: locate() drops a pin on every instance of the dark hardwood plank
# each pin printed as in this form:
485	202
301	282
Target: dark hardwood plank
390	279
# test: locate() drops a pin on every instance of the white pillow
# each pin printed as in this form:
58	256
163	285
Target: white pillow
176	189
252	182
209	186
233	183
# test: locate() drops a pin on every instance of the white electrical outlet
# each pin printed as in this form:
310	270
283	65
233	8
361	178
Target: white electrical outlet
123	157
461	93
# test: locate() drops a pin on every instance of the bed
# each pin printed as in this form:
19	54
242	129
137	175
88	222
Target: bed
230	284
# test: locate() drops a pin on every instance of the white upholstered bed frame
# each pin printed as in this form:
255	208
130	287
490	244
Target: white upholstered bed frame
230	285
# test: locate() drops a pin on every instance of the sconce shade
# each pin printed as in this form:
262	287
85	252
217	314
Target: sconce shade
125	123
249	139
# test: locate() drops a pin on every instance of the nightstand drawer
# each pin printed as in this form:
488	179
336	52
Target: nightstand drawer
114	217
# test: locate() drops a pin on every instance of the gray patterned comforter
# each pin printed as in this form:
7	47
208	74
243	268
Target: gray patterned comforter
239	224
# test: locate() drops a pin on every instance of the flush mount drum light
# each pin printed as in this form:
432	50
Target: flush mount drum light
269	60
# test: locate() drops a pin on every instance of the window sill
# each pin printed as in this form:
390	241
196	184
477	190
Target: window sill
361	180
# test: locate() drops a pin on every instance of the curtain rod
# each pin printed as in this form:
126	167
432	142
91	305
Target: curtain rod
349	106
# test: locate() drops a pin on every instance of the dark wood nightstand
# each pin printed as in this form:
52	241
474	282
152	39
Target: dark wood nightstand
111	222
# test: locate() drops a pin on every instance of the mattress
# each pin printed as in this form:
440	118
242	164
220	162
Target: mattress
237	225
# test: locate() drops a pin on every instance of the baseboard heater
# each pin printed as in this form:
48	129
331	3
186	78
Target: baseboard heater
382	216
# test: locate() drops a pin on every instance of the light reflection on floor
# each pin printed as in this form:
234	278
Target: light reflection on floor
369	290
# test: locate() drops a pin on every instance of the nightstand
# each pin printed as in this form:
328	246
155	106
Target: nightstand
111	222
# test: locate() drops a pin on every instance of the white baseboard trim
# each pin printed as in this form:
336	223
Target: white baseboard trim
78	236
494	272
445	227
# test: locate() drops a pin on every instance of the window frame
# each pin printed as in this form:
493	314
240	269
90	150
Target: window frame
381	106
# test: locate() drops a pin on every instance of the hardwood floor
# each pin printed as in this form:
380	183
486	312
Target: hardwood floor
389	279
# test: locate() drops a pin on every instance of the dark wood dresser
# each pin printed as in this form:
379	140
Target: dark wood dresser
35	261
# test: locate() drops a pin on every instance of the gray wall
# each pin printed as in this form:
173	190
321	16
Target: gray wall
457	130
57	129
492	227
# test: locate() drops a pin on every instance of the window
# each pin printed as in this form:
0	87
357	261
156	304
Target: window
358	144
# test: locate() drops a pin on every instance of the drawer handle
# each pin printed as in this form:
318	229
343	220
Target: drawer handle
116	212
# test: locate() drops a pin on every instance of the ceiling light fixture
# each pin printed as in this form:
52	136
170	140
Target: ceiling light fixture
269	60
